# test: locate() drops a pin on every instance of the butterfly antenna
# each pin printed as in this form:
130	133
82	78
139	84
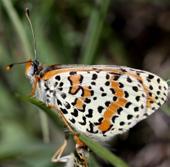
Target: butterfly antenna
27	13
10	66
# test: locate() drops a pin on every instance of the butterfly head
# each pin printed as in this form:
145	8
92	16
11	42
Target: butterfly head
32	68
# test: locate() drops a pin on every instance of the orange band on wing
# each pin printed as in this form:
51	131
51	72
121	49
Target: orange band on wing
52	73
87	91
113	107
80	101
79	104
75	82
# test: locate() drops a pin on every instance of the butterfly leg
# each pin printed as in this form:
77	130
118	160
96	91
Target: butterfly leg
57	155
60	114
82	151
67	124
79	143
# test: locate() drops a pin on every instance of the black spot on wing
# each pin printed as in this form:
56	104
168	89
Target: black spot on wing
59	102
158	92
94	76
61	84
104	94
58	78
87	100
114	118
94	98
107	83
55	84
63	95
129	79
101	88
119	110
121	85
91	128
150	87
150	76
64	111
114	98
74	113
73	73
100	109
46	87
129	116
60	88
107	76
123	70
135	88
93	83
128	104
137	98
90	113
136	109
112	90
121	123
67	105
73	120
99	121
83	122
107	103
126	94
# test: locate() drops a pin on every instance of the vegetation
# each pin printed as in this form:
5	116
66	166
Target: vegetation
117	32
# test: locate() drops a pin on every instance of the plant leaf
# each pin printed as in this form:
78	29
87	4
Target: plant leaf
51	114
18	26
94	30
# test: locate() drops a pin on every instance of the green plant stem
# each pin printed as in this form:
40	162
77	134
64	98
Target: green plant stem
94	30
18	26
51	114
44	127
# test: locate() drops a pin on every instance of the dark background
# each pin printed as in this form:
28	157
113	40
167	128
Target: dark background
133	33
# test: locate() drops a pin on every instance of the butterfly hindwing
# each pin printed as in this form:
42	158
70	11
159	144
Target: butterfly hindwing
103	102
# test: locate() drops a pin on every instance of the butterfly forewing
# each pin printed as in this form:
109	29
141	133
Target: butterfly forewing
103	102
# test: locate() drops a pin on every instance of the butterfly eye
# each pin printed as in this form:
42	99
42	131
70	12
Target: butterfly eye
36	62
35	65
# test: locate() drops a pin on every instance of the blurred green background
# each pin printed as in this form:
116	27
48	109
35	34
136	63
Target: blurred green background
131	33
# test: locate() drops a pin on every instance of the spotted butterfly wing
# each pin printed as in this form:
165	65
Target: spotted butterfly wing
102	101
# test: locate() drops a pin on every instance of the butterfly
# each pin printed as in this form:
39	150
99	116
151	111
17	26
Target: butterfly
99	101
